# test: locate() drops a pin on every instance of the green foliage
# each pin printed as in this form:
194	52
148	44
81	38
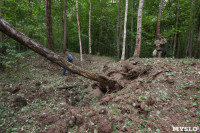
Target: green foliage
29	17
11	57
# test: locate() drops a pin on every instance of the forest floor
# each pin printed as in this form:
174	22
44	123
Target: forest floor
158	94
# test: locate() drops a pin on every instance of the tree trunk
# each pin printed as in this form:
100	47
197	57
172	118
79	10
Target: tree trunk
196	50
107	85
65	26
188	49
192	31
50	41
124	38
159	18
90	49
106	43
118	33
139	30
79	31
175	36
133	5
2	16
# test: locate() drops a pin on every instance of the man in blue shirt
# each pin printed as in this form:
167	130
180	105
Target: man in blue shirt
70	59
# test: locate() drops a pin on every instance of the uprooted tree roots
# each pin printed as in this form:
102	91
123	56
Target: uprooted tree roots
123	75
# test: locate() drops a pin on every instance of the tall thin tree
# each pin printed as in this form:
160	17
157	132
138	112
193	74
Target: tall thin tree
118	28
50	41
65	26
159	17
90	49
2	16
196	50
176	32
79	31
190	32
133	5
139	30
192	28
124	38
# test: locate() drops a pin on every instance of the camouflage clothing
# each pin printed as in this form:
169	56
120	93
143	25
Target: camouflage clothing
159	50
160	44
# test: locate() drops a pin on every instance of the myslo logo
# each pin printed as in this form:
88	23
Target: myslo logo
189	129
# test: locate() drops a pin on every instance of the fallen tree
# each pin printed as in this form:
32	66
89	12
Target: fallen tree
106	84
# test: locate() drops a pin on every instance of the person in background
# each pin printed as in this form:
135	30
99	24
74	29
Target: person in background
159	50
70	59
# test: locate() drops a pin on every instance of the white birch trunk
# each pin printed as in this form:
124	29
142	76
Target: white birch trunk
79	32
124	38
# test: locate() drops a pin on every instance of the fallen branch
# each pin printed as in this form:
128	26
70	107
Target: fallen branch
68	87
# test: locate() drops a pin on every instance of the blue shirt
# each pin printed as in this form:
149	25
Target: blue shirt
69	58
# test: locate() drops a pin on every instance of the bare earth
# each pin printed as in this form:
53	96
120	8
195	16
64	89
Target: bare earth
157	94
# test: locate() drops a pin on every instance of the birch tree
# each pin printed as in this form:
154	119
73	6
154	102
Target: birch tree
124	38
79	32
139	30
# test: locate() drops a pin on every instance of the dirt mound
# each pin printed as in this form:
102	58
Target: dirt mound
157	94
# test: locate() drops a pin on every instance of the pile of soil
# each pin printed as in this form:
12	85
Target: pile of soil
157	94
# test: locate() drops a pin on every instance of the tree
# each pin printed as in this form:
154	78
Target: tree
50	41
176	32
133	5
159	17
139	30
118	33
124	38
90	49
191	29
79	31
106	84
2	16
65	26
196	50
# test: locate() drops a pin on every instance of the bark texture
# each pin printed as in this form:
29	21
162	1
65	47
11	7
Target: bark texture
124	37
50	42
139	30
79	32
107	85
159	17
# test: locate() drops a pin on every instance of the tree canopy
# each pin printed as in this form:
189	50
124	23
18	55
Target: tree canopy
29	18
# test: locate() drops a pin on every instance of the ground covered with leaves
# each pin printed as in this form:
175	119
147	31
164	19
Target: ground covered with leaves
157	94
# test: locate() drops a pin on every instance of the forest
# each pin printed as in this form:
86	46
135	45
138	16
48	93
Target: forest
179	25
135	66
